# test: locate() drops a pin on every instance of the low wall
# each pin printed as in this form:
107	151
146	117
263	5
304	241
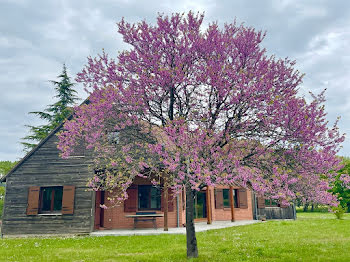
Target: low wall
277	212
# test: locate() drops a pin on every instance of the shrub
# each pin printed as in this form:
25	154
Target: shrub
338	211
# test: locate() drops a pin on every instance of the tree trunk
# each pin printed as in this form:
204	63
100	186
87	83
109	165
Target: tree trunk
192	250
166	200
306	206
312	208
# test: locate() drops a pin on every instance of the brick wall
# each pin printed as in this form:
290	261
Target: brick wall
225	213
115	218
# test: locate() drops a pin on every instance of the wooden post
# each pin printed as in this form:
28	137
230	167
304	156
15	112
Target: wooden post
208	206
166	204
232	205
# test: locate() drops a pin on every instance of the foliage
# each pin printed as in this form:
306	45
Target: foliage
338	211
312	237
319	209
340	187
1	207
2	194
54	114
6	166
199	108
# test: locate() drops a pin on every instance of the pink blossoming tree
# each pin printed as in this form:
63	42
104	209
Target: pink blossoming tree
197	108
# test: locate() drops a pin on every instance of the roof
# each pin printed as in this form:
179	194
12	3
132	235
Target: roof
3	179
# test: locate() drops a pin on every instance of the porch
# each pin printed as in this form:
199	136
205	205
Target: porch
200	226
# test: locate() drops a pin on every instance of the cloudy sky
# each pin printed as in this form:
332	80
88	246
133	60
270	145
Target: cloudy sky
37	37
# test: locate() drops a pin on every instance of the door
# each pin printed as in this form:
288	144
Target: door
99	212
200	205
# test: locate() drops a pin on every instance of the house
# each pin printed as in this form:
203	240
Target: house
46	194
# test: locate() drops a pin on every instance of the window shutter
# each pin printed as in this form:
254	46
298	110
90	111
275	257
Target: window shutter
170	201
33	201
130	204
243	200
219	199
68	200
261	202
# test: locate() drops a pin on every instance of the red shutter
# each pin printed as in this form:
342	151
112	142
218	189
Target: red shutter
170	201
242	196
219	199
130	204
33	201
68	200
261	202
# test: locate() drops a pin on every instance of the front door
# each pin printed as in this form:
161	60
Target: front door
200	205
99	212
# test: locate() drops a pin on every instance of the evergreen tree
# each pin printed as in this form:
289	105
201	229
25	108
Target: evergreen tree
54	114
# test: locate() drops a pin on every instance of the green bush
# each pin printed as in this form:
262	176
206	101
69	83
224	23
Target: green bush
338	211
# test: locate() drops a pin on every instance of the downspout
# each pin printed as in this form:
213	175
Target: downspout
255	207
177	210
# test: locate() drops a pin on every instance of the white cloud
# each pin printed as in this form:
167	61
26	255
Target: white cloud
38	36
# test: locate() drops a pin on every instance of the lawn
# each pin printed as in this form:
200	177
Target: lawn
312	237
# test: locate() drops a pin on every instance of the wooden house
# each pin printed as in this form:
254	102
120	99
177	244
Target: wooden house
46	194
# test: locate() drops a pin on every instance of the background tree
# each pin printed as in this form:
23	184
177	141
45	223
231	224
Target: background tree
5	167
54	114
341	190
202	108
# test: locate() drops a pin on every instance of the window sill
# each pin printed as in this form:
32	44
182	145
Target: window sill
228	208
149	210
50	214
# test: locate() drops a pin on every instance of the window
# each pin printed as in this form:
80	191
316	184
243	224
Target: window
148	197
271	203
50	199
235	198
226	197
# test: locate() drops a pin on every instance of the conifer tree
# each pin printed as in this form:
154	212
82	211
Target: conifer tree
55	113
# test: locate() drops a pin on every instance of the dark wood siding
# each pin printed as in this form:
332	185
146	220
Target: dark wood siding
42	169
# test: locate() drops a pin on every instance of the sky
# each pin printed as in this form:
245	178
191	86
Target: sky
37	37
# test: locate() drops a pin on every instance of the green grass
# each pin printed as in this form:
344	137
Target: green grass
313	237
